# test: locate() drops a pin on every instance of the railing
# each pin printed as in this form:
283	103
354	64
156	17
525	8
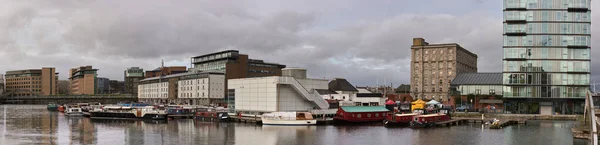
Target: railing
312	96
589	106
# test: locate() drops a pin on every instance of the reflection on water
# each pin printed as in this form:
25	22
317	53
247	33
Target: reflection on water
33	124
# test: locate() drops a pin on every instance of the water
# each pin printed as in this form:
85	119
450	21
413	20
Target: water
33	124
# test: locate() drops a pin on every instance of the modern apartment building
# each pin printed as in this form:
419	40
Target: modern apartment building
164	71
133	75
194	88
433	66
32	82
235	65
546	55
83	80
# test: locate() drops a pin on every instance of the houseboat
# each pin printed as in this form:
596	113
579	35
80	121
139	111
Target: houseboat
429	120
212	114
361	114
52	106
122	112
181	112
288	118
399	119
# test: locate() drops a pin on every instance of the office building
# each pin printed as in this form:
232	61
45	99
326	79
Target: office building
83	80
194	88
433	66
103	85
546	55
477	91
164	71
32	82
235	65
132	79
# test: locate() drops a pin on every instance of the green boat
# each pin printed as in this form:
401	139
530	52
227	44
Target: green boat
52	106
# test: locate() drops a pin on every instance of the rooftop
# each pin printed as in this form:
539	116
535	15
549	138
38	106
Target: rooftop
364	109
478	79
225	51
340	84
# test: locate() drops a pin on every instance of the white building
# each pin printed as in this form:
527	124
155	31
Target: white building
194	88
291	92
365	97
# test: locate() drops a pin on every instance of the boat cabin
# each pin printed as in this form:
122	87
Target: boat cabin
361	113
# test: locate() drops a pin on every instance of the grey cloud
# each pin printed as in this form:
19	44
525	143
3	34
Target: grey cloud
114	35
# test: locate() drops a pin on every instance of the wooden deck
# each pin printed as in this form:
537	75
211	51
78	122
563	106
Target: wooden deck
451	122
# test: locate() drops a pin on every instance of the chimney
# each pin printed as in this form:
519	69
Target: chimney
419	42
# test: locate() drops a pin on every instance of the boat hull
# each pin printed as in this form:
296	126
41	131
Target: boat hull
125	115
52	108
213	116
74	114
289	122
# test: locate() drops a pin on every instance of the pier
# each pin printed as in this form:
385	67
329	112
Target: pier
451	122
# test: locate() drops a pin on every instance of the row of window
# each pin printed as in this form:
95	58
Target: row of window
479	89
544	92
215	56
561	16
547	53
551	28
547	4
23	79
368	115
23	83
261	71
546	79
23	87
263	65
547	40
547	66
163	95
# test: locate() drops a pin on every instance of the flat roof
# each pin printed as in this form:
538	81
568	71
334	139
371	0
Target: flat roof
225	51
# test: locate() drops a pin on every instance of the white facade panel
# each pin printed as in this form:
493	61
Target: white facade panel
154	90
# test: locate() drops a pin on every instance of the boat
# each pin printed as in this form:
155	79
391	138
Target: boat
122	112
61	108
91	107
358	114
180	112
73	111
52	106
430	120
213	114
399	119
288	118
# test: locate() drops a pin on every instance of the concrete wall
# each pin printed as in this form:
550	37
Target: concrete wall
291	100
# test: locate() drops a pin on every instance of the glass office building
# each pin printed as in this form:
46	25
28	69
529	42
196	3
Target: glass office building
546	55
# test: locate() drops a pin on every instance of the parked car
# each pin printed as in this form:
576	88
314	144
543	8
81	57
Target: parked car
463	109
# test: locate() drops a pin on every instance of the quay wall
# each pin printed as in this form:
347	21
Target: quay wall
518	116
67	99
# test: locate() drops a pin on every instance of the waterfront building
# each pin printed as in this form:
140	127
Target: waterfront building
365	97
116	87
477	91
402	94
102	86
546	55
32	82
277	93
133	75
165	70
83	80
433	66
194	88
235	65
2	89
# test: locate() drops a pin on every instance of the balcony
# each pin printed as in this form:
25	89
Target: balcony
516	33
576	9
516	21
577	46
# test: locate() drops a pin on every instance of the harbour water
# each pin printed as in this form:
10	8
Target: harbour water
33	124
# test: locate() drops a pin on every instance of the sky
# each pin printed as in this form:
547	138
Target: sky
366	42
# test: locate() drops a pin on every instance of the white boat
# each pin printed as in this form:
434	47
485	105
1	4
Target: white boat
288	118
74	111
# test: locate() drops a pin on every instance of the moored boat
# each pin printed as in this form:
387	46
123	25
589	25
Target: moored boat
361	114
399	119
121	112
213	114
73	111
288	118
429	120
52	106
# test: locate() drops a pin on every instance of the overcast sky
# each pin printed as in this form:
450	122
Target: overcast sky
363	41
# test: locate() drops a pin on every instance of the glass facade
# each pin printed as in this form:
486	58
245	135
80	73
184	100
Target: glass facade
479	90
547	52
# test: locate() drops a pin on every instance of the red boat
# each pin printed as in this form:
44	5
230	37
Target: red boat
399	119
428	120
361	113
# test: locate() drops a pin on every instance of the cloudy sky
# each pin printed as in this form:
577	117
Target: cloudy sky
363	41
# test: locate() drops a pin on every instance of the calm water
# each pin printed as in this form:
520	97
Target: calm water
33	124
